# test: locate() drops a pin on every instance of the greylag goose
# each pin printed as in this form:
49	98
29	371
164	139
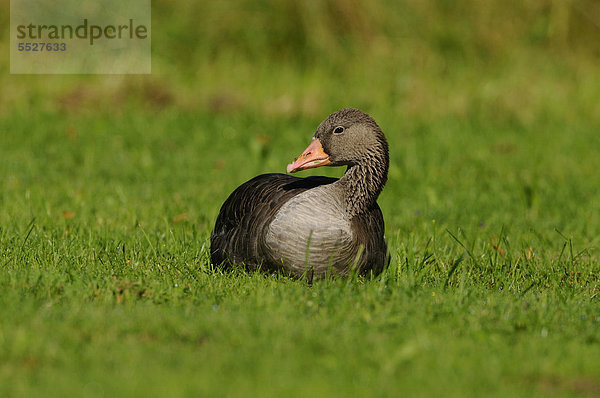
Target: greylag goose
321	225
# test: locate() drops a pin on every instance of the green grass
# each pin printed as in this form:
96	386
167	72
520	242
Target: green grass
110	185
106	288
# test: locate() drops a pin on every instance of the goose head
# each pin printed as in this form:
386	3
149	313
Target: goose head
348	137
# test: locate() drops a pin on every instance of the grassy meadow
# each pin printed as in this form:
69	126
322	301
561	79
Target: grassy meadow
110	185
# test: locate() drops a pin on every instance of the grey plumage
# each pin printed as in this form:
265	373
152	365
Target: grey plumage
277	222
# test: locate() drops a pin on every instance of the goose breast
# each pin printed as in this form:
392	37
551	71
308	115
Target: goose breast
311	231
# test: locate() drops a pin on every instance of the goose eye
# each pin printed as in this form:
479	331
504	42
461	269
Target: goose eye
338	130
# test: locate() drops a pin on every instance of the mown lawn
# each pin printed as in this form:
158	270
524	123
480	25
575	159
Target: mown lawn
106	287
110	185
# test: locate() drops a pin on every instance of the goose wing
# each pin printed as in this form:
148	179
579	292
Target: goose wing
241	224
369	229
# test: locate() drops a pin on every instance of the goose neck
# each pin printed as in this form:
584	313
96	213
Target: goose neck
362	184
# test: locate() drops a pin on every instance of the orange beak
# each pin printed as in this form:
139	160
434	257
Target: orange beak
312	157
